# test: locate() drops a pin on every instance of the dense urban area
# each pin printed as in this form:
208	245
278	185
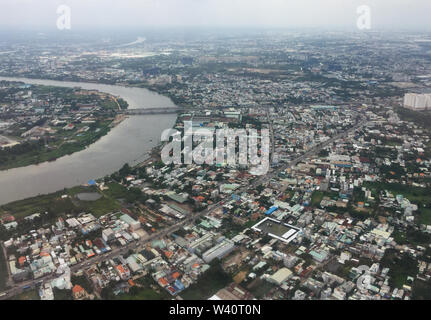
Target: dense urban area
343	213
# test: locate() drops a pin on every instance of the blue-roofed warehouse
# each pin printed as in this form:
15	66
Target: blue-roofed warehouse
271	210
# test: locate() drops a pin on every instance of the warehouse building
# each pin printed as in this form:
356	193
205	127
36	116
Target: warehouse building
218	251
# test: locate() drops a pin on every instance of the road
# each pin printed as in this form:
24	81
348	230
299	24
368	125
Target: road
271	132
312	151
18	288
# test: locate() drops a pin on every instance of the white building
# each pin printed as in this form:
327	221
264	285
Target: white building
218	251
280	276
417	101
108	235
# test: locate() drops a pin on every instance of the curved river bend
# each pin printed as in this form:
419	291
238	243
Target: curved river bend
129	142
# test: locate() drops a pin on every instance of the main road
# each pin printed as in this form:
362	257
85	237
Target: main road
19	287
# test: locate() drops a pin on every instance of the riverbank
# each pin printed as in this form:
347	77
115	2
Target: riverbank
48	139
43	153
140	85
48	154
129	141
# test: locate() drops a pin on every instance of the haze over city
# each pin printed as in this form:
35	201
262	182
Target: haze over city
395	14
255	151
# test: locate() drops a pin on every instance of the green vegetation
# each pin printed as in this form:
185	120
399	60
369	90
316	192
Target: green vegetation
52	206
411	236
401	266
232	228
422	119
145	289
27	295
34	153
99	207
26	207
414	194
425	216
421	290
114	104
316	198
3	271
136	293
62	294
116	190
260	287
83	282
208	284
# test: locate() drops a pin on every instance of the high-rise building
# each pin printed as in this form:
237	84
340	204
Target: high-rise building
416	101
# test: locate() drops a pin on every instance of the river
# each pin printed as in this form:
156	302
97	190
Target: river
129	142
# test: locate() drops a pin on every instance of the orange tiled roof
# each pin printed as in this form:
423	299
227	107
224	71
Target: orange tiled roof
77	288
163	281
168	254
120	268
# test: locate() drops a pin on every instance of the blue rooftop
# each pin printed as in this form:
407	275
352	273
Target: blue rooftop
271	210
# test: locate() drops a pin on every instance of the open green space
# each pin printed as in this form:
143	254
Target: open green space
421	290
146	289
99	207
425	216
54	205
208	284
259	288
66	143
27	295
116	190
401	267
317	197
412	237
414	194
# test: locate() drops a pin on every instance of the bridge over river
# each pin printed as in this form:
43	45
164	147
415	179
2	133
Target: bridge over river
150	111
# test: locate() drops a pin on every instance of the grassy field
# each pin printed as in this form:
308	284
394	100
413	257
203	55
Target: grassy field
317	197
23	208
414	194
27	295
116	191
145	294
425	216
42	203
54	204
100	207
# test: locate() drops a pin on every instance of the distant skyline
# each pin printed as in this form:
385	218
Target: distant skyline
387	14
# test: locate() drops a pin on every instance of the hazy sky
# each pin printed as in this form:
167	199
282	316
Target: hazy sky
397	14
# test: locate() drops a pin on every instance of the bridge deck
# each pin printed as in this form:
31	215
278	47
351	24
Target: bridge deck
150	111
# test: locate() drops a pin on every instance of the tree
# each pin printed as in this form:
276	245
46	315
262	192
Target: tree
125	170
